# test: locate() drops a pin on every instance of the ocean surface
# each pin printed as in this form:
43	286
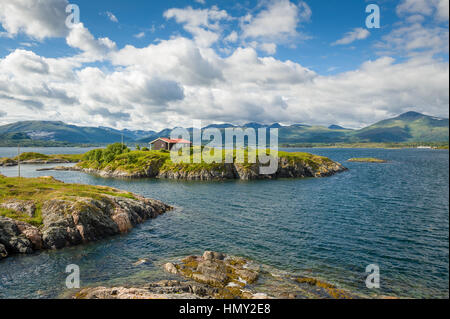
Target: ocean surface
394	215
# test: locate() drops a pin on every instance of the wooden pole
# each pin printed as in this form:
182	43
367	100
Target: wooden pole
18	158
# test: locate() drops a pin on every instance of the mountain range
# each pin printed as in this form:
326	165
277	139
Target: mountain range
409	127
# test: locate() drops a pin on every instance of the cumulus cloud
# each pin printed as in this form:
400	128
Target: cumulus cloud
203	24
80	38
37	19
414	35
110	117
278	21
171	82
439	8
414	39
352	36
178	59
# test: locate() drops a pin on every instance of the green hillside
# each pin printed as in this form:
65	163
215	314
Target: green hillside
61	132
409	127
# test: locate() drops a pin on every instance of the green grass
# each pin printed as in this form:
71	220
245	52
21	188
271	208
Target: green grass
135	162
367	160
38	156
41	190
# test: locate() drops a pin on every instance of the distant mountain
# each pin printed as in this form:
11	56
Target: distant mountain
59	131
408	127
220	126
336	127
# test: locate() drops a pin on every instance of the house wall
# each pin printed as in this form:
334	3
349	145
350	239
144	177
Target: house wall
160	145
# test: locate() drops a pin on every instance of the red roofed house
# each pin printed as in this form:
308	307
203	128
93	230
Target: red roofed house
163	143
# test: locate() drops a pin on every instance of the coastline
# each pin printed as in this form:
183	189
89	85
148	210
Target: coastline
215	275
64	215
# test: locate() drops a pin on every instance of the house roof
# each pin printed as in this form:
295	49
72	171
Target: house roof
172	141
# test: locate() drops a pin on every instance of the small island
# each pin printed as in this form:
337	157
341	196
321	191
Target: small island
118	161
44	213
367	160
38	158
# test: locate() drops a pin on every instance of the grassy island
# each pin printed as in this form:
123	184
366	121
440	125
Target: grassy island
39	190
119	161
38	158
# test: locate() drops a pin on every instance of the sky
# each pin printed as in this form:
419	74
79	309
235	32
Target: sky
152	65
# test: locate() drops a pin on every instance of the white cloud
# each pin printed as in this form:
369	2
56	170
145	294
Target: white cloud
232	37
112	17
201	1
140	35
352	36
269	48
37	19
171	82
443	10
439	8
203	24
80	38
276	22
414	39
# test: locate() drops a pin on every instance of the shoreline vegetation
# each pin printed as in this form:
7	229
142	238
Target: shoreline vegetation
37	158
44	213
118	161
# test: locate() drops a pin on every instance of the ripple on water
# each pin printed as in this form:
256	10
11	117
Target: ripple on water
394	215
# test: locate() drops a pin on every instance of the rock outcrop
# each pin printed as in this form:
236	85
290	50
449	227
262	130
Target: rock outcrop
219	276
12	162
21	206
69	223
287	168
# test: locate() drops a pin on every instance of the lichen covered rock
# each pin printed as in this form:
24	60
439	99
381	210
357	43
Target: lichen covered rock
68	223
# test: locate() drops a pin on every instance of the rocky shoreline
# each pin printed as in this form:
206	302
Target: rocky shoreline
12	163
220	276
286	169
69	223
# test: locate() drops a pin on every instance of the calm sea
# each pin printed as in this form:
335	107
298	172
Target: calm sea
394	215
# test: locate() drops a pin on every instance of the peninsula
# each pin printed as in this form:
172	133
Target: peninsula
44	213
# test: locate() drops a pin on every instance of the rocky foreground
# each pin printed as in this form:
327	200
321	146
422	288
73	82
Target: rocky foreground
219	276
66	215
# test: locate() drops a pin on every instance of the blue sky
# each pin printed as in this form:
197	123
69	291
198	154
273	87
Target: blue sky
330	21
286	61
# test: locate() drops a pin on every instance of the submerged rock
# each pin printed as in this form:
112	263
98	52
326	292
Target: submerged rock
3	252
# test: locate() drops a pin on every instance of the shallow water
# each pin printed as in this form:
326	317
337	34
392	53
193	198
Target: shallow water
394	215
